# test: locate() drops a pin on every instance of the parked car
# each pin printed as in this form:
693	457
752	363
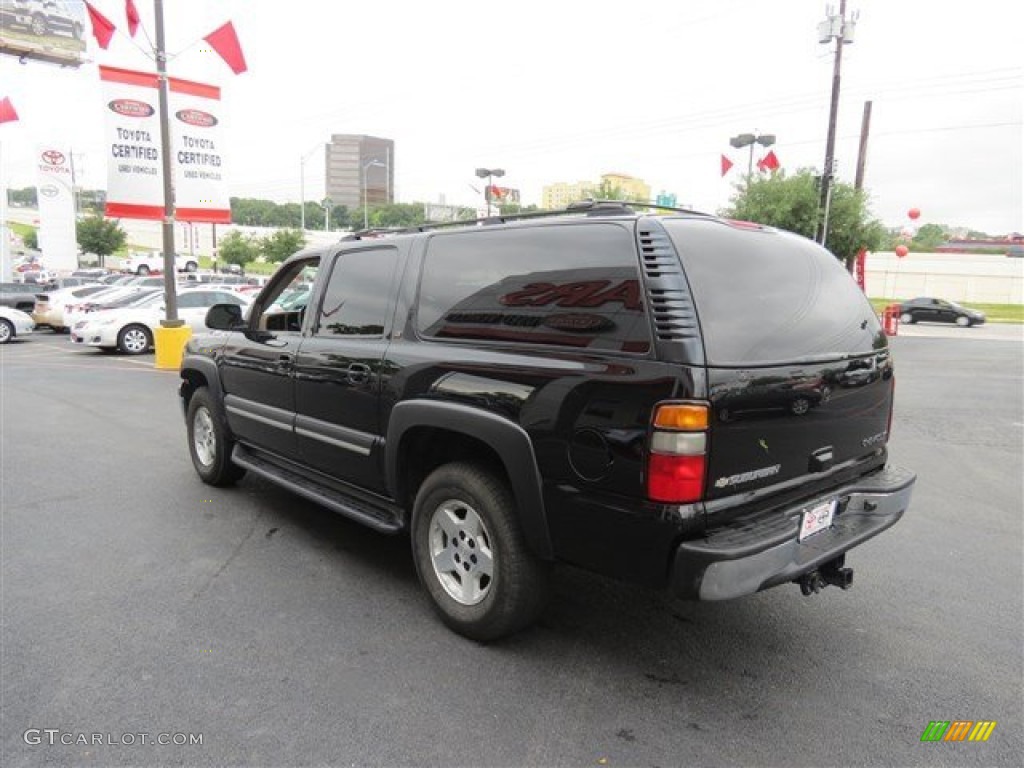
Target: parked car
18	296
14	323
929	310
130	329
114	298
528	390
144	263
51	304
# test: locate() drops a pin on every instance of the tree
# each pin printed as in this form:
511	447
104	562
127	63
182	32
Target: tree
31	239
608	191
100	236
238	249
282	244
791	203
928	238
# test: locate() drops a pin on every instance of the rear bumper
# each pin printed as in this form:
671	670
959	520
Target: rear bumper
756	553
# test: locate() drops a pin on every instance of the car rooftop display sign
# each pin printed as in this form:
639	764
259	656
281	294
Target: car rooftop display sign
132	146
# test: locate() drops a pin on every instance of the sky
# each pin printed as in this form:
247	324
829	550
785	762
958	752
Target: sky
563	90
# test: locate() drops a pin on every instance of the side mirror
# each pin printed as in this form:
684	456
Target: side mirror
224	317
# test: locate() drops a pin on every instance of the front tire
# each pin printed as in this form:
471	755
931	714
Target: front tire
963	322
191	266
208	442
134	339
6	330
470	554
142	271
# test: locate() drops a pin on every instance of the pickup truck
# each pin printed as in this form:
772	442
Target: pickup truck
145	263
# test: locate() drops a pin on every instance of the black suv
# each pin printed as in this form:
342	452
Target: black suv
678	400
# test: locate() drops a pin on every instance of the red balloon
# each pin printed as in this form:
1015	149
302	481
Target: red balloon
914	213
901	251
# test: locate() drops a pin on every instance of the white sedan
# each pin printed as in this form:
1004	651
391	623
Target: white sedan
130	329
14	322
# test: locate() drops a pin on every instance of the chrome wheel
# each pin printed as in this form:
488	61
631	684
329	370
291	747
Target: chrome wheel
906	318
6	331
962	321
204	438
461	553
134	340
800	406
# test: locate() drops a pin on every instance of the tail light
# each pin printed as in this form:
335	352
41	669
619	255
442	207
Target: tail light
677	457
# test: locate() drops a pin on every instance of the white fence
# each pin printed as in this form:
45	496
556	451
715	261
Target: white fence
983	278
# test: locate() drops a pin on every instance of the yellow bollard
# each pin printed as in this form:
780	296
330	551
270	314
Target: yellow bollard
169	346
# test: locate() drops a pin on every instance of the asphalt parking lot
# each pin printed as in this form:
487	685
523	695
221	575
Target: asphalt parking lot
136	600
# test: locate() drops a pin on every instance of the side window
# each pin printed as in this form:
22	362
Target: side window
193	300
358	294
572	285
283	307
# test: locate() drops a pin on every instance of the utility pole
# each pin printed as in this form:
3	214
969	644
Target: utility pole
862	152
841	30
170	287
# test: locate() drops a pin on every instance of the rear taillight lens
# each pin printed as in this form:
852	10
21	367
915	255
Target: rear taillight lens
677	456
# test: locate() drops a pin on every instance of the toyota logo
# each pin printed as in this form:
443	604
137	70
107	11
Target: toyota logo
49	190
53	157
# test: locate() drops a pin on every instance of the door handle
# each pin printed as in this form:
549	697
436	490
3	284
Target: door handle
358	373
285	361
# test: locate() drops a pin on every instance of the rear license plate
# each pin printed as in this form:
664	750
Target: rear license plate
817	519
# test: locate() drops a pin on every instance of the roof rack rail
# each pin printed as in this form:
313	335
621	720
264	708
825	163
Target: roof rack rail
588	207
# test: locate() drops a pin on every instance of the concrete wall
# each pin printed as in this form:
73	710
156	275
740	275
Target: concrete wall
983	278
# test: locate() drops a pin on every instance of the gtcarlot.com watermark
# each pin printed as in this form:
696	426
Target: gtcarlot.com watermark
56	737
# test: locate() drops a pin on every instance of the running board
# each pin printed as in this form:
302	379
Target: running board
383	519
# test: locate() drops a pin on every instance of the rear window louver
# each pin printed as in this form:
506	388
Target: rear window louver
668	294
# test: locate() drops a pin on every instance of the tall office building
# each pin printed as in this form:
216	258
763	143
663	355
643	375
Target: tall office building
354	161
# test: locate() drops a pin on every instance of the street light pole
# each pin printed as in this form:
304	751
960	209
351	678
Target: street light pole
170	288
749	140
489	173
302	185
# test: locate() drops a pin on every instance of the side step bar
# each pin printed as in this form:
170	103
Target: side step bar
380	518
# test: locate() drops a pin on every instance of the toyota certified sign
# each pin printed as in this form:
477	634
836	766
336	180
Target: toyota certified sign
53	157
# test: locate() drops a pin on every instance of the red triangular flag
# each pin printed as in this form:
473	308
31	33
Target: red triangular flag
726	165
225	42
760	165
102	27
7	113
132	13
769	163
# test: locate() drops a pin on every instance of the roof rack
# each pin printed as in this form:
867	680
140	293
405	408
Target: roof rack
588	207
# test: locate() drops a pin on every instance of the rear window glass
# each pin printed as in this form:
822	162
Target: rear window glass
575	286
766	297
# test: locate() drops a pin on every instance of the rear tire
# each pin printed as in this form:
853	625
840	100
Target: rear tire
470	554
142	271
208	442
6	330
191	266
906	318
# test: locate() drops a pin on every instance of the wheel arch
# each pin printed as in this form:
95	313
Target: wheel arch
198	372
422	435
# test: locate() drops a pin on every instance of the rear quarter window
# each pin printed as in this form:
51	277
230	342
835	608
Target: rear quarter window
764	296
571	285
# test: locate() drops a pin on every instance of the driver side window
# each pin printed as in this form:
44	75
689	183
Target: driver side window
283	308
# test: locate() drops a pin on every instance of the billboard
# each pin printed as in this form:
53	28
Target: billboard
57	239
134	165
45	30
